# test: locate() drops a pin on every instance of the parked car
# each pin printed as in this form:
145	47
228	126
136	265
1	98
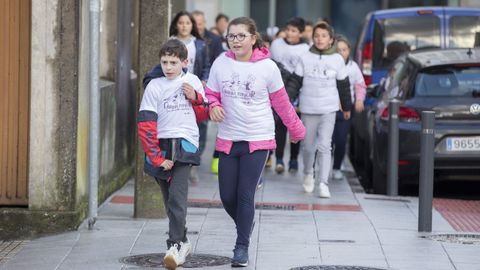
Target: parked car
444	81
389	33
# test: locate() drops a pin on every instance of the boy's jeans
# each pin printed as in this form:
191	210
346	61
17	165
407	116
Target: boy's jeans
175	194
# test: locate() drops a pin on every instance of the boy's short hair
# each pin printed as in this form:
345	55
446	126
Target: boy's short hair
174	47
297	22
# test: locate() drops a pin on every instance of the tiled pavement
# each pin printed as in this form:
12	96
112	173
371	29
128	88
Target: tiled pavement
292	229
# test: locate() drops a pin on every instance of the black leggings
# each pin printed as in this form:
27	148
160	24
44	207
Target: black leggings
238	176
281	138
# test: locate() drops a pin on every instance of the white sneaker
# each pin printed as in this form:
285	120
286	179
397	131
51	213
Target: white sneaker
185	248
337	174
323	190
308	183
172	257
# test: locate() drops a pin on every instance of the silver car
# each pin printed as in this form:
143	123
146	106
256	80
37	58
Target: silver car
444	81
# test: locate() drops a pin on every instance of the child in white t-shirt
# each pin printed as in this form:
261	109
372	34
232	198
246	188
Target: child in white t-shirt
322	77
167	128
357	90
286	52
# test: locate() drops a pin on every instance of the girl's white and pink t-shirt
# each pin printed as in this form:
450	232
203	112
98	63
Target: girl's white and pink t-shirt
176	118
357	83
244	89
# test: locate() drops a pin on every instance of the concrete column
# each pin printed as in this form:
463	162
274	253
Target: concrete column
53	106
153	25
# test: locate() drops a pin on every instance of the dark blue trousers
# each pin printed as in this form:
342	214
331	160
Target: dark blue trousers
339	139
238	176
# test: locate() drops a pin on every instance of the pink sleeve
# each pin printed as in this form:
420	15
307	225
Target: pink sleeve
281	104
360	90
213	97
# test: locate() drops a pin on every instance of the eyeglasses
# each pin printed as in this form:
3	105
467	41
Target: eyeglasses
240	37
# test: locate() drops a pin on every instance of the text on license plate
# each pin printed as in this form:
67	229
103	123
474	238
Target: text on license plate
463	143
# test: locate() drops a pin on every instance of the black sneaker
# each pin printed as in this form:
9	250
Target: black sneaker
292	166
240	256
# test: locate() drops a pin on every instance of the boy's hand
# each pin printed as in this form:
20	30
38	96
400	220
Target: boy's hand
217	114
346	115
188	91
167	165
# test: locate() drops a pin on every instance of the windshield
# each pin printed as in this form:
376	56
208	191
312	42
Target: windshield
464	32
393	36
460	80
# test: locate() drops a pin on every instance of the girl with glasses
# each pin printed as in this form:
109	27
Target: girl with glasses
243	86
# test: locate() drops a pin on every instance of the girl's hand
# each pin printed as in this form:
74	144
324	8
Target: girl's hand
346	115
359	106
217	114
189	92
294	141
167	165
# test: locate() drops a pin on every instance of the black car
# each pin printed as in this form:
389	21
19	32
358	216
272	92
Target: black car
444	81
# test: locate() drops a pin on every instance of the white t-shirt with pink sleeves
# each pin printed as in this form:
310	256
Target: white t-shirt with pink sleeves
176	118
354	76
244	91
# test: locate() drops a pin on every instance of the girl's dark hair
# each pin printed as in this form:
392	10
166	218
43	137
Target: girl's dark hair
343	38
221	16
251	28
174	47
324	26
173	25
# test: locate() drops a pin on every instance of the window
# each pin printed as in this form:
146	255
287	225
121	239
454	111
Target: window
449	81
393	36
464	31
398	80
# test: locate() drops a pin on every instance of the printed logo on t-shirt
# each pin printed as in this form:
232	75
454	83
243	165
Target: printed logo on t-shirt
290	61
320	72
237	89
190	65
176	102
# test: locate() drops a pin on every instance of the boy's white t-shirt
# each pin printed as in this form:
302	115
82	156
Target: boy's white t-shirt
287	54
244	89
176	118
319	93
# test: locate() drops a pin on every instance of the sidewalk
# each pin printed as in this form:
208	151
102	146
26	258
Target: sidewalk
293	229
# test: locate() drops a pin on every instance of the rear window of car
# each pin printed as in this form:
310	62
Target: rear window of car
453	81
393	36
464	32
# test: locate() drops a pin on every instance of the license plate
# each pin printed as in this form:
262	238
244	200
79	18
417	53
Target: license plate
463	144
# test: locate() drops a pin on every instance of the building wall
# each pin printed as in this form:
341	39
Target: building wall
58	144
53	116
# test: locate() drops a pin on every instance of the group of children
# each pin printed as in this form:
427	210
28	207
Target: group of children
239	91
